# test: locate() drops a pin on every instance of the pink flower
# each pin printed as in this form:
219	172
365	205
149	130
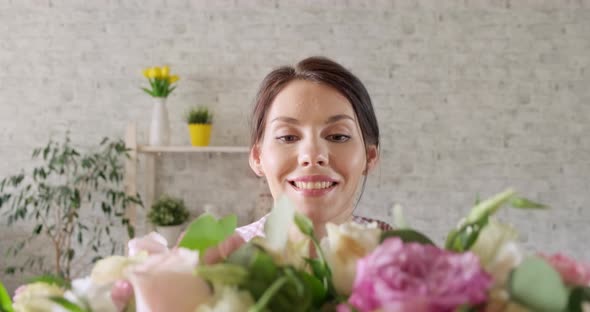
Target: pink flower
572	272
414	277
166	282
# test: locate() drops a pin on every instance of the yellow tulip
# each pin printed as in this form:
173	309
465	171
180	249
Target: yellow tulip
172	79
165	71
158	72
146	72
153	72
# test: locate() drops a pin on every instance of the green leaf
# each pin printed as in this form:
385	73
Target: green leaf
577	297
489	206
5	303
536	285
407	236
206	232
223	273
50	279
462	239
278	223
315	287
523	203
68	305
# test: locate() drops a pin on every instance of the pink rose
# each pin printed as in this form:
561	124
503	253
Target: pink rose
166	282
415	277
572	272
152	243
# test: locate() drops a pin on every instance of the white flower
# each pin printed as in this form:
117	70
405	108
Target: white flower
497	250
34	297
152	243
343	246
111	269
228	299
85	292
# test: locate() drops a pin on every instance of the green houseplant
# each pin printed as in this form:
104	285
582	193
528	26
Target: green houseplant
168	214
199	120
74	201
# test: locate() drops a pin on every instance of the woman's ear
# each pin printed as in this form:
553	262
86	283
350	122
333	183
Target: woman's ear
372	158
254	160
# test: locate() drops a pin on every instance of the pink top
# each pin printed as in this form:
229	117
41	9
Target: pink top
247	232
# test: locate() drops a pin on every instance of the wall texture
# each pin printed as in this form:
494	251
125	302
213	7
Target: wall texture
472	96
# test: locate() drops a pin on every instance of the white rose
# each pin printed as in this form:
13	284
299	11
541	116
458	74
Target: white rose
228	299
343	246
111	269
97	297
34	297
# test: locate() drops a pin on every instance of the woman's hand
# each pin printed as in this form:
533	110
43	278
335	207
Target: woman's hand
224	249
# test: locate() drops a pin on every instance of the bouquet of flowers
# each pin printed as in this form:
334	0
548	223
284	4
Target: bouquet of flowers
160	81
354	268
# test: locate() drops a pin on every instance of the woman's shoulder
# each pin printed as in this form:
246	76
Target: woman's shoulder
384	226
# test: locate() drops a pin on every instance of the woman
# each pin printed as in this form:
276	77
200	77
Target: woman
314	138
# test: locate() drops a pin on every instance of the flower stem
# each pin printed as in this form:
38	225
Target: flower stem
268	294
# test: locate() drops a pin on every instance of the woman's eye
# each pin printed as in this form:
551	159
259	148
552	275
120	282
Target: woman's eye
338	137
287	138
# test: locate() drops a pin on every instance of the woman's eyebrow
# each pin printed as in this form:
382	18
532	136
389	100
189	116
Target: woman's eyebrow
286	119
336	118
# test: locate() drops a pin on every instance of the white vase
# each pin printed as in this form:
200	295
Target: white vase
170	233
159	128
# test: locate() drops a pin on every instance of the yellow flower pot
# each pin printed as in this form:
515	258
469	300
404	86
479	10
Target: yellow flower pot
200	134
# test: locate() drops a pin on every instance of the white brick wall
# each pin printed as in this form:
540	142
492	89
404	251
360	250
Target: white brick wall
472	95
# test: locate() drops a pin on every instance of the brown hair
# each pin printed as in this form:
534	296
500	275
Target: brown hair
321	70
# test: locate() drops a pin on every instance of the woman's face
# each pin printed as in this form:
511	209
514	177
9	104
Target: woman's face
312	151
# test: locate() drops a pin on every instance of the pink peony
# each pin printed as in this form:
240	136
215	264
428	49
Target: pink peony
572	272
415	277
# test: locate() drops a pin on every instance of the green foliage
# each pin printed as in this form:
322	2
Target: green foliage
5	303
275	287
462	238
199	115
66	185
168	210
536	285
407	236
206	232
578	296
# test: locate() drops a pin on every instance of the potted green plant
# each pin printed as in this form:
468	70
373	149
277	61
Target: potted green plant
168	214
75	202
199	121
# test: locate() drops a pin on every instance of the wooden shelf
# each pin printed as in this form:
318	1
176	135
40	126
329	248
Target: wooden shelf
192	149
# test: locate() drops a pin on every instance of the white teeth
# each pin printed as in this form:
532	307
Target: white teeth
313	185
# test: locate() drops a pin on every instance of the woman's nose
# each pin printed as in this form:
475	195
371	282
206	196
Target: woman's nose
313	153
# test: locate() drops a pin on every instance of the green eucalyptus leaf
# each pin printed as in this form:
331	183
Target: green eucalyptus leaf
535	284
407	236
5	302
206	232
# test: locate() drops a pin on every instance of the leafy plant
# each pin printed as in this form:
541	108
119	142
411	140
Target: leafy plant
61	198
199	115
168	210
160	80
